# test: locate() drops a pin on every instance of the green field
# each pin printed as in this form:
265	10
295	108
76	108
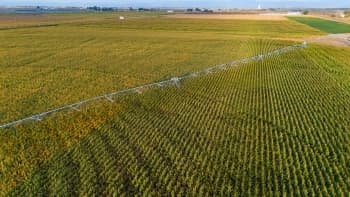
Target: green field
324	25
280	126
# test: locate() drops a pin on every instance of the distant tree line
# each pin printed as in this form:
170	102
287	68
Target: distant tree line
305	12
199	10
95	8
347	13
107	9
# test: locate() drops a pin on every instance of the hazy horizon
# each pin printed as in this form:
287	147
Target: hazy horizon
185	3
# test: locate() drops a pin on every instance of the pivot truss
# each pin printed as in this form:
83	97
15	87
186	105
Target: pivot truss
173	81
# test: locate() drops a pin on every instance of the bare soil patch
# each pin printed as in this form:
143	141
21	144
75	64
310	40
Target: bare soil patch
229	16
342	40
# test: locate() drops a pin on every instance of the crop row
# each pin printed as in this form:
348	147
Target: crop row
173	81
274	127
58	70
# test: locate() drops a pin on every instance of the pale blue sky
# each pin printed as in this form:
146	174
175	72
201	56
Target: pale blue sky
185	3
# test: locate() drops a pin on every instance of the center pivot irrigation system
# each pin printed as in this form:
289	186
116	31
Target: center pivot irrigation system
173	81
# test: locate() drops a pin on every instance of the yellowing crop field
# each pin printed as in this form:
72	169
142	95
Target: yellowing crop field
273	126
47	67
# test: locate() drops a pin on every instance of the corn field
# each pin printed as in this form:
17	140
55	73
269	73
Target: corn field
275	127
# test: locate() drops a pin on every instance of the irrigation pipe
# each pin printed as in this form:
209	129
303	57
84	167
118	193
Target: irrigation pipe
173	81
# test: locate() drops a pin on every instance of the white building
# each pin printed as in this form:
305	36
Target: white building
294	13
341	15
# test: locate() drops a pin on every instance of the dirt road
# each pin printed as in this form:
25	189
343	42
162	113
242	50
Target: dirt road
342	40
229	16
